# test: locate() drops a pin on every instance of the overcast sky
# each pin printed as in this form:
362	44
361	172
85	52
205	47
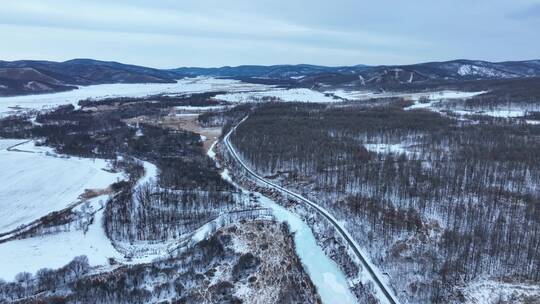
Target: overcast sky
167	33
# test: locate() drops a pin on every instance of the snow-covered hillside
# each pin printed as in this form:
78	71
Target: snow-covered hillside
480	71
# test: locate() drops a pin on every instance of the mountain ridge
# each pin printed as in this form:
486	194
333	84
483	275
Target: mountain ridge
40	76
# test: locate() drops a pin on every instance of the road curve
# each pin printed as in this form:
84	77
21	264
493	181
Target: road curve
384	290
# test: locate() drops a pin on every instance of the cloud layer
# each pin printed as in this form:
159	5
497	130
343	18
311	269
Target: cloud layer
166	33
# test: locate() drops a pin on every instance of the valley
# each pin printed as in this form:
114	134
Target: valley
285	184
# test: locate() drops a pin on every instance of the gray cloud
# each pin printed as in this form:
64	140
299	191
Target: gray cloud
166	33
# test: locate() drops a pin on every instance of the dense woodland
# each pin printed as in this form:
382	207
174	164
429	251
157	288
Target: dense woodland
437	202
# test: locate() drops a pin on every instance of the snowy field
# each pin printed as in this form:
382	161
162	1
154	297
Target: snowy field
37	182
492	292
289	95
396	149
56	250
501	113
183	86
438	95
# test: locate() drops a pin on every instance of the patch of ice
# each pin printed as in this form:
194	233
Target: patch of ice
332	283
324	273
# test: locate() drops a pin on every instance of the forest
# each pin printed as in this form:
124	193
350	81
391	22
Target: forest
439	202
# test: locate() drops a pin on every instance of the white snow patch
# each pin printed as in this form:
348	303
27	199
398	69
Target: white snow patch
475	70
211	153
501	113
290	95
202	109
240	246
151	173
427	100
387	148
490	292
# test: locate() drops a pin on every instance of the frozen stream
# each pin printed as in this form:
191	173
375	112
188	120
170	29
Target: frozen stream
325	274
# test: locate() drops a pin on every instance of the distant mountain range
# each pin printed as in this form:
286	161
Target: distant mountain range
363	75
30	77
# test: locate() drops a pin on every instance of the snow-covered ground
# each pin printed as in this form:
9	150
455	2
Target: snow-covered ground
301	95
37	182
438	95
197	109
508	113
481	71
388	148
491	292
151	173
56	250
183	86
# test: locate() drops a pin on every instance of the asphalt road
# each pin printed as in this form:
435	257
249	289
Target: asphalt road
389	297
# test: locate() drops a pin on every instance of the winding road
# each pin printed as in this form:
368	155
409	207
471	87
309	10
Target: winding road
383	289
